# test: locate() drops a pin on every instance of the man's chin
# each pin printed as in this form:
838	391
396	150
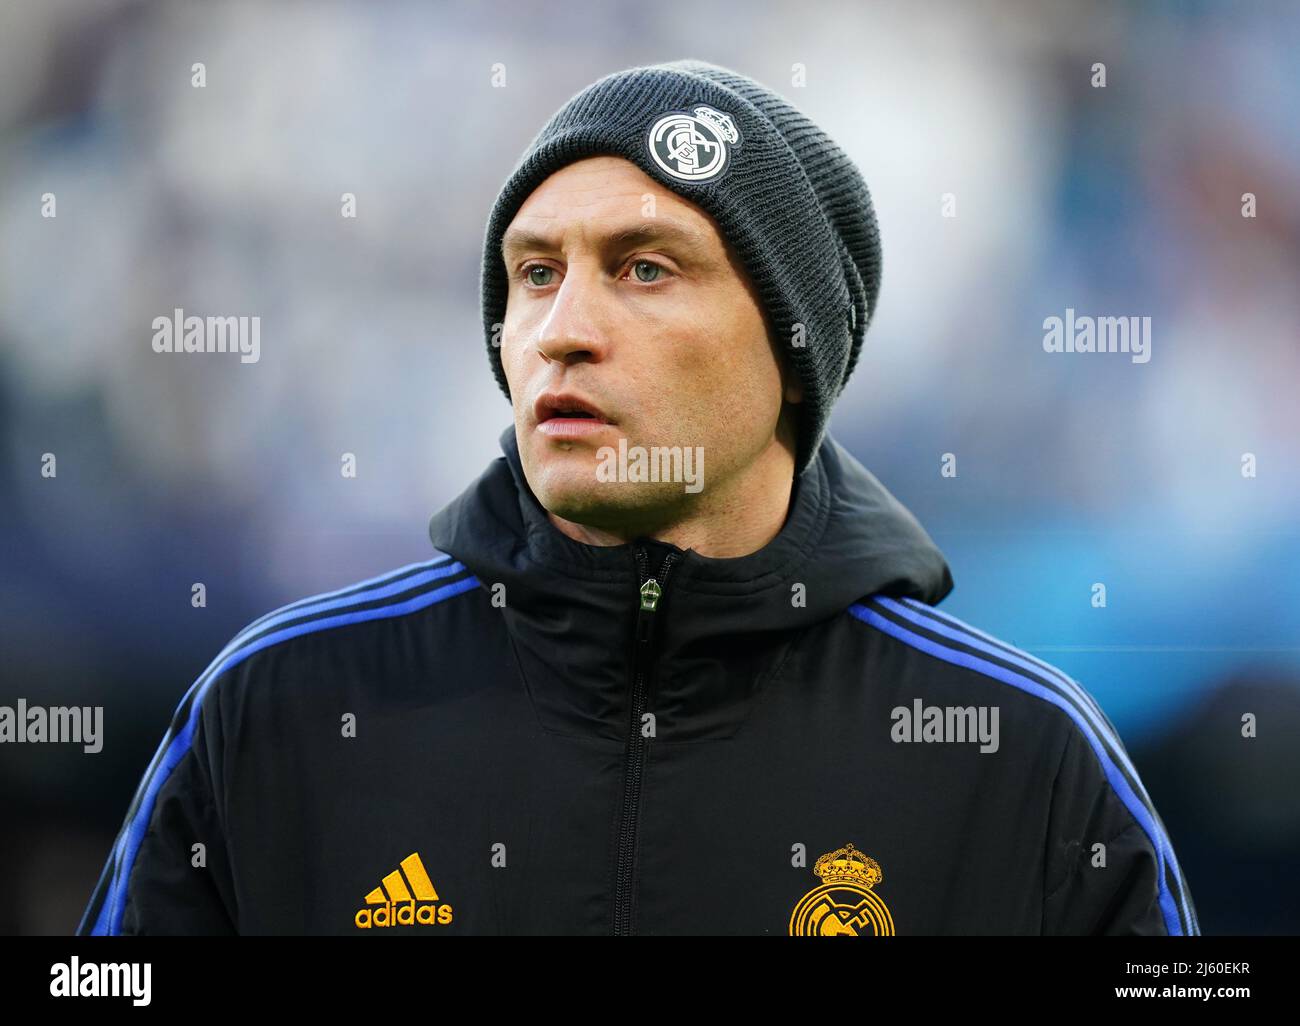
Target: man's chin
600	504
564	473
573	482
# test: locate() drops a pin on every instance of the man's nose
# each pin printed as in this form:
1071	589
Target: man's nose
574	328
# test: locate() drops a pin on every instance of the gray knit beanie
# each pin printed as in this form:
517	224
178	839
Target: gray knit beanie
786	197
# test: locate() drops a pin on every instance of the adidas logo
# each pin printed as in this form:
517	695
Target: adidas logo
404	900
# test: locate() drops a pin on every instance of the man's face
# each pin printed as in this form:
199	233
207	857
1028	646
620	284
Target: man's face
624	294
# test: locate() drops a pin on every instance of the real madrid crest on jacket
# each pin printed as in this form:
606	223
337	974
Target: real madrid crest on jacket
519	737
843	906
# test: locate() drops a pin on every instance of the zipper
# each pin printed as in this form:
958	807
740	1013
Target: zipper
650	589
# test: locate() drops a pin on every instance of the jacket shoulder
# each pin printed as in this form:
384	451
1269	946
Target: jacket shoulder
949	645
1096	772
319	621
290	644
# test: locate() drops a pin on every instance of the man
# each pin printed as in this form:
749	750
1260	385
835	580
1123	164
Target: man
676	667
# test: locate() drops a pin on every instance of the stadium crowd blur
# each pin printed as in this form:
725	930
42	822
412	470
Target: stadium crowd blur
1072	469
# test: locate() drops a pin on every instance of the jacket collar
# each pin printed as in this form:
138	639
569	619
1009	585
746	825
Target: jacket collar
723	624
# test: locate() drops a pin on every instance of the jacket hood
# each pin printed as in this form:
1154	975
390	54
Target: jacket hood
570	608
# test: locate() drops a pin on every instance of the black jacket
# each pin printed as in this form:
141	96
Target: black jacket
531	735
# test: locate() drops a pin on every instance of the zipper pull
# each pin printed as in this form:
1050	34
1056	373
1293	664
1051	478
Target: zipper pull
650	592
652	584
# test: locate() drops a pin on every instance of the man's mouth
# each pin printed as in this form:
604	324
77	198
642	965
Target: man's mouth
567	415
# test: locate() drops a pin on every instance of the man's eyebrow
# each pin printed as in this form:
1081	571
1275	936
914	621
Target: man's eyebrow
658	231
523	240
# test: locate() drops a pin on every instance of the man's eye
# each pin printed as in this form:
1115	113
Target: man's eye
653	269
533	271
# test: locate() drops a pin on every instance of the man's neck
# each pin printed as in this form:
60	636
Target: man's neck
738	517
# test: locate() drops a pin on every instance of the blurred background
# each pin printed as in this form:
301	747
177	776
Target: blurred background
1072	469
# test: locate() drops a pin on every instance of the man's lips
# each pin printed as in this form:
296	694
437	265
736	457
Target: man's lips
568	415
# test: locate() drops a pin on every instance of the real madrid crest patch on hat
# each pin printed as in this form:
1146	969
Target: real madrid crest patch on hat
693	145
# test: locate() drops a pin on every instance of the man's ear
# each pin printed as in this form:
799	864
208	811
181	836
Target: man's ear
794	392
